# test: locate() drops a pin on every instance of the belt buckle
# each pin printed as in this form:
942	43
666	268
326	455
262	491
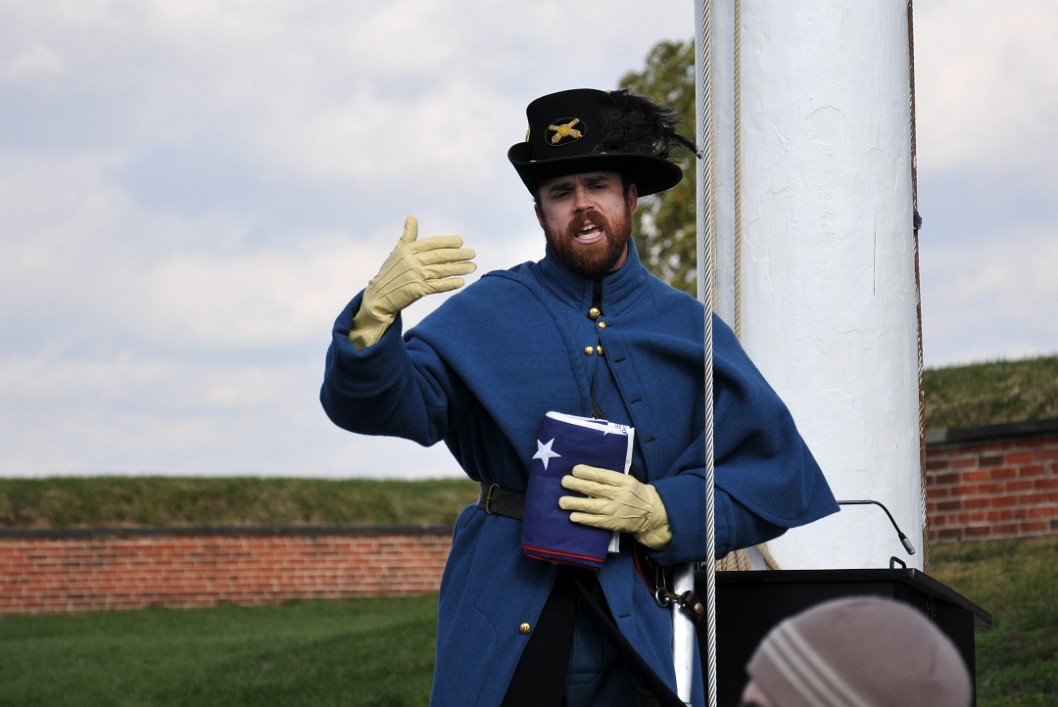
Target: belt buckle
488	498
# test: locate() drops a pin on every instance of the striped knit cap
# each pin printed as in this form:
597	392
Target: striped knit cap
860	652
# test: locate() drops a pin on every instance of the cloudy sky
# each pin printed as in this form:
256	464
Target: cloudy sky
191	190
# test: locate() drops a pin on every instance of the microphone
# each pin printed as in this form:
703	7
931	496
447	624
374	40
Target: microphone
903	538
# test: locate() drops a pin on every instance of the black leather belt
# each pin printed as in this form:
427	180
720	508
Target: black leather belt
501	502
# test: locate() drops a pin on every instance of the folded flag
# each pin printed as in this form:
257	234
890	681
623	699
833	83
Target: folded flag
563	442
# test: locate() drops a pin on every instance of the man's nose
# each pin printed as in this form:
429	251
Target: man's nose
581	202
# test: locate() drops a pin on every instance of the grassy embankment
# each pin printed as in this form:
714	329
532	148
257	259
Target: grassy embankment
153	502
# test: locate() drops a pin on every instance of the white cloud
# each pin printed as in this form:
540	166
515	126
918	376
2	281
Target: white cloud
36	62
270	298
987	100
132	413
992	301
987	85
190	191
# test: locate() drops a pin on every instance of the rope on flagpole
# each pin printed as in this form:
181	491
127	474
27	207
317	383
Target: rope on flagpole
916	223
706	229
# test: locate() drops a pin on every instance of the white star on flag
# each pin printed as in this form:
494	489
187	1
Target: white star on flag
544	452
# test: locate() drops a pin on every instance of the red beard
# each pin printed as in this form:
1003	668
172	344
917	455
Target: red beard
597	259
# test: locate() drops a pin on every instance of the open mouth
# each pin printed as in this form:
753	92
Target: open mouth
589	233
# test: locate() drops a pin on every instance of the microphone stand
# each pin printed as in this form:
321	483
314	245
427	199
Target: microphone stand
867	501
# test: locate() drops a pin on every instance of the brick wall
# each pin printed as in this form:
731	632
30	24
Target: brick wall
52	571
993	482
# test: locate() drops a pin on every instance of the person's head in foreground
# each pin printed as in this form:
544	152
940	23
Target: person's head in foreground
864	651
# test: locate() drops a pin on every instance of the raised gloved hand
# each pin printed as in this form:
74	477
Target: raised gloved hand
414	269
617	502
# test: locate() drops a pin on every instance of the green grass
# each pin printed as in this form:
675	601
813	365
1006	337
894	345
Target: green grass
349	652
1017	582
991	393
146	501
380	651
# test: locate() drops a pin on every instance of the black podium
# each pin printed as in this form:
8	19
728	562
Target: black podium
749	604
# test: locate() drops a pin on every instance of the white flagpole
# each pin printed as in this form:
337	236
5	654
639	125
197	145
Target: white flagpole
683	635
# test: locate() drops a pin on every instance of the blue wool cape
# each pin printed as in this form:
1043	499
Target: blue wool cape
480	373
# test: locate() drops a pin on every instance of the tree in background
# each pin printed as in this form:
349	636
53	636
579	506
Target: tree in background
665	232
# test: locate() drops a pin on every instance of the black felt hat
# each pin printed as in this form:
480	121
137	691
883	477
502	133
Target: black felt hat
587	130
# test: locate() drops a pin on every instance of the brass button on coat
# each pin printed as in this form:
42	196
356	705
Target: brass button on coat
588	350
524	628
594	313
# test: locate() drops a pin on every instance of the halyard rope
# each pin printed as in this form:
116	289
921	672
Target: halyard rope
706	223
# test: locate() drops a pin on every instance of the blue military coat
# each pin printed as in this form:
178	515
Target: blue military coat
480	373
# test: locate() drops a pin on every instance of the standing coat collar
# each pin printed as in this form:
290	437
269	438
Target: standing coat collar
619	288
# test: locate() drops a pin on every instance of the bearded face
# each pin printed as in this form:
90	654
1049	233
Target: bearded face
587	220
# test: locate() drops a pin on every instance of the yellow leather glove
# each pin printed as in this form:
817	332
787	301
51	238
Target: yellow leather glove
413	270
617	502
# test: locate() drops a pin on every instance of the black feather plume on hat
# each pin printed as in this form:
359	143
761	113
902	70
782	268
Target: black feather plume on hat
631	123
587	130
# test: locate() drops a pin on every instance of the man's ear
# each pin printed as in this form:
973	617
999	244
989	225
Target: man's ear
632	197
539	214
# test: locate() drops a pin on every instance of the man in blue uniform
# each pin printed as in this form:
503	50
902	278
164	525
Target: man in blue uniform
586	331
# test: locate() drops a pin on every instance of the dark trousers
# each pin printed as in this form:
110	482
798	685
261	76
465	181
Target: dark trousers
573	657
540	678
